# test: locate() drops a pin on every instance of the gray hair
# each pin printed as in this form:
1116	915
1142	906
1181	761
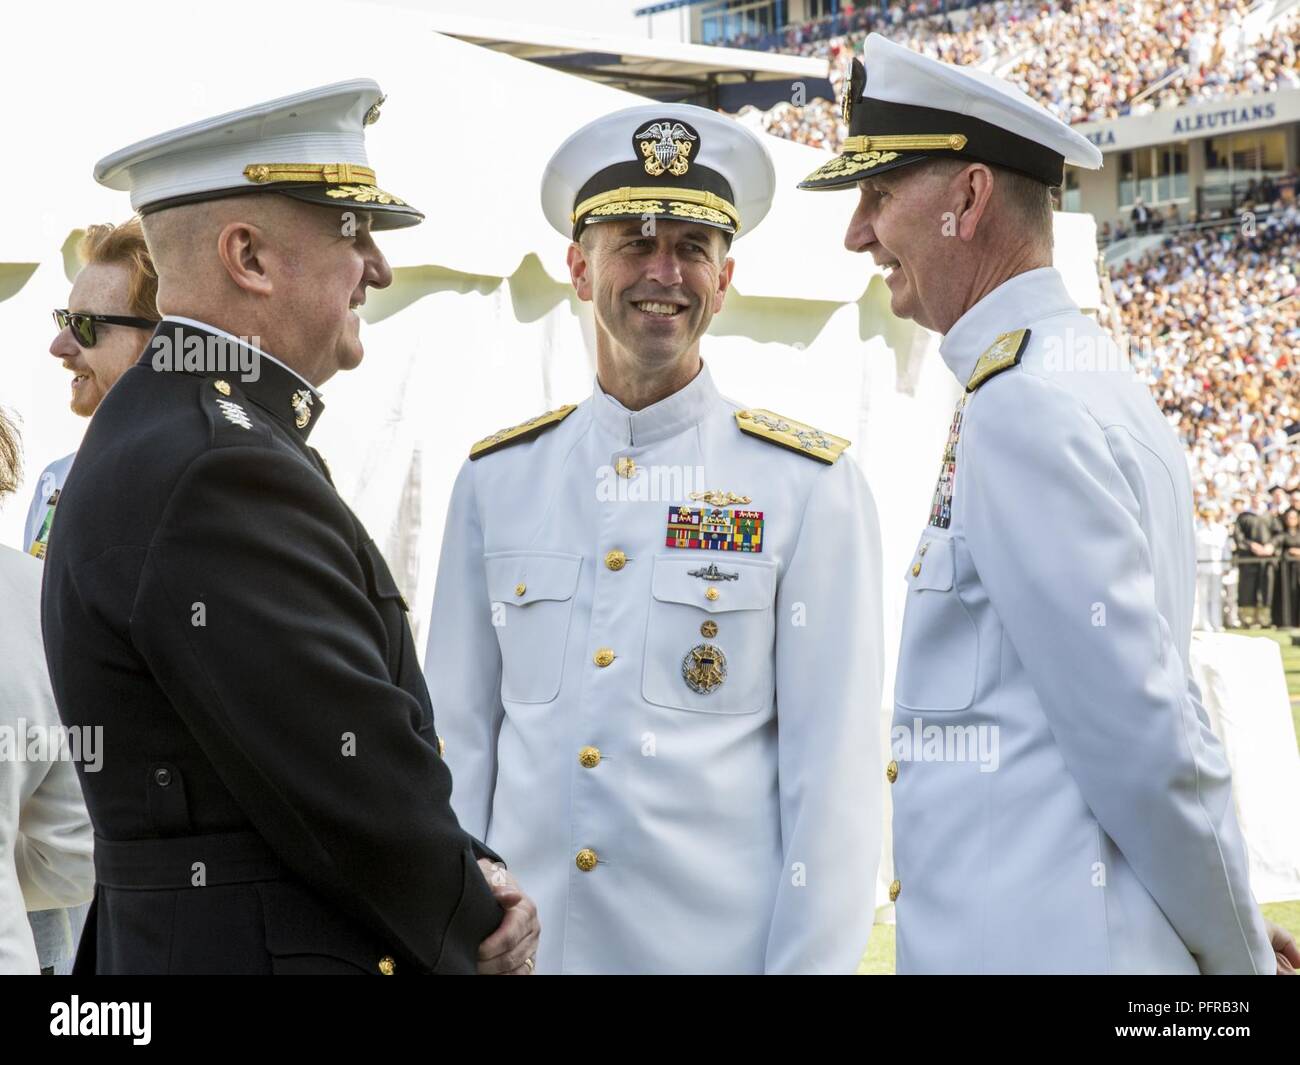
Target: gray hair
1028	200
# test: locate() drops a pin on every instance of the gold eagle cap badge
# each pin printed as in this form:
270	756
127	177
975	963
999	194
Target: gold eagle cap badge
666	146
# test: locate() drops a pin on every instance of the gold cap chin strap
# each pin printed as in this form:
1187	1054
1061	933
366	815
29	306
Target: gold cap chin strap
903	142
328	173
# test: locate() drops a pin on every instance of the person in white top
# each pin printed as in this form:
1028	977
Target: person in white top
1213	545
656	647
45	835
1060	801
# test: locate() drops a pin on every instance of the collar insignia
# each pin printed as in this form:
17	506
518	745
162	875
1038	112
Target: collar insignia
301	403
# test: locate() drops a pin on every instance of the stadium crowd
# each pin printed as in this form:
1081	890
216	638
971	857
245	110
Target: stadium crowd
1211	316
1211	319
1070	54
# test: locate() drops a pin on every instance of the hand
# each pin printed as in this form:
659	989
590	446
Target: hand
1284	946
512	948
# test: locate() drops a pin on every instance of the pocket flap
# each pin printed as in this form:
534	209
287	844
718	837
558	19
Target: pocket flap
753	586
521	577
932	566
380	576
298	922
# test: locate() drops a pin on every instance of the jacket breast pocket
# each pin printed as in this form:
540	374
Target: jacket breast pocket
532	602
938	659
709	644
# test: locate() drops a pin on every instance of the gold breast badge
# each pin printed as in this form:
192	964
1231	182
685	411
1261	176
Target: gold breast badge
704	668
716	498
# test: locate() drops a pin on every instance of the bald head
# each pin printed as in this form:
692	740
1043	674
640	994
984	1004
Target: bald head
267	266
184	241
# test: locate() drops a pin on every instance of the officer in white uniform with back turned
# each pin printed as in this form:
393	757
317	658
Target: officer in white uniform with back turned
1049	608
655	648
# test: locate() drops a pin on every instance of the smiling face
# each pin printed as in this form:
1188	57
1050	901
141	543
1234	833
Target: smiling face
287	274
100	288
325	260
897	221
653	295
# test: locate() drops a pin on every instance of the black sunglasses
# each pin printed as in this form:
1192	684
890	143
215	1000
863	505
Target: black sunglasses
83	325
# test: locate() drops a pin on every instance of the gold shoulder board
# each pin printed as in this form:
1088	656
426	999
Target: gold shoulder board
776	429
1002	354
524	431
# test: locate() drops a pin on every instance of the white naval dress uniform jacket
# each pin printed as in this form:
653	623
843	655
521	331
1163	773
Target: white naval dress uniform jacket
1056	608
736	831
46	841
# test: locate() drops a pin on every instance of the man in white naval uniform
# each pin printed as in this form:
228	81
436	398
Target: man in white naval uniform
1049	608
656	645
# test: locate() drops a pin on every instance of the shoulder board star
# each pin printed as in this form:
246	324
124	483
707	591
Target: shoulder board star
786	432
524	431
1002	354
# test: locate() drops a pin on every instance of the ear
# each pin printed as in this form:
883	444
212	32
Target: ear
974	188
724	283
243	251
580	271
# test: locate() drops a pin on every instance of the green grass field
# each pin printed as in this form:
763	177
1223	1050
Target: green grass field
879	957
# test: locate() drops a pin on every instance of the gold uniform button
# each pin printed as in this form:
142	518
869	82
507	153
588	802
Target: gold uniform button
603	657
221	387
520	589
387	966
586	860
711	594
891	771
615	560
625	467
709	629
895	889
589	757
442	747
916	570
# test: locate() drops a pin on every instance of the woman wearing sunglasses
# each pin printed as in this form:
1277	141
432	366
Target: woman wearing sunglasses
110	315
111	312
